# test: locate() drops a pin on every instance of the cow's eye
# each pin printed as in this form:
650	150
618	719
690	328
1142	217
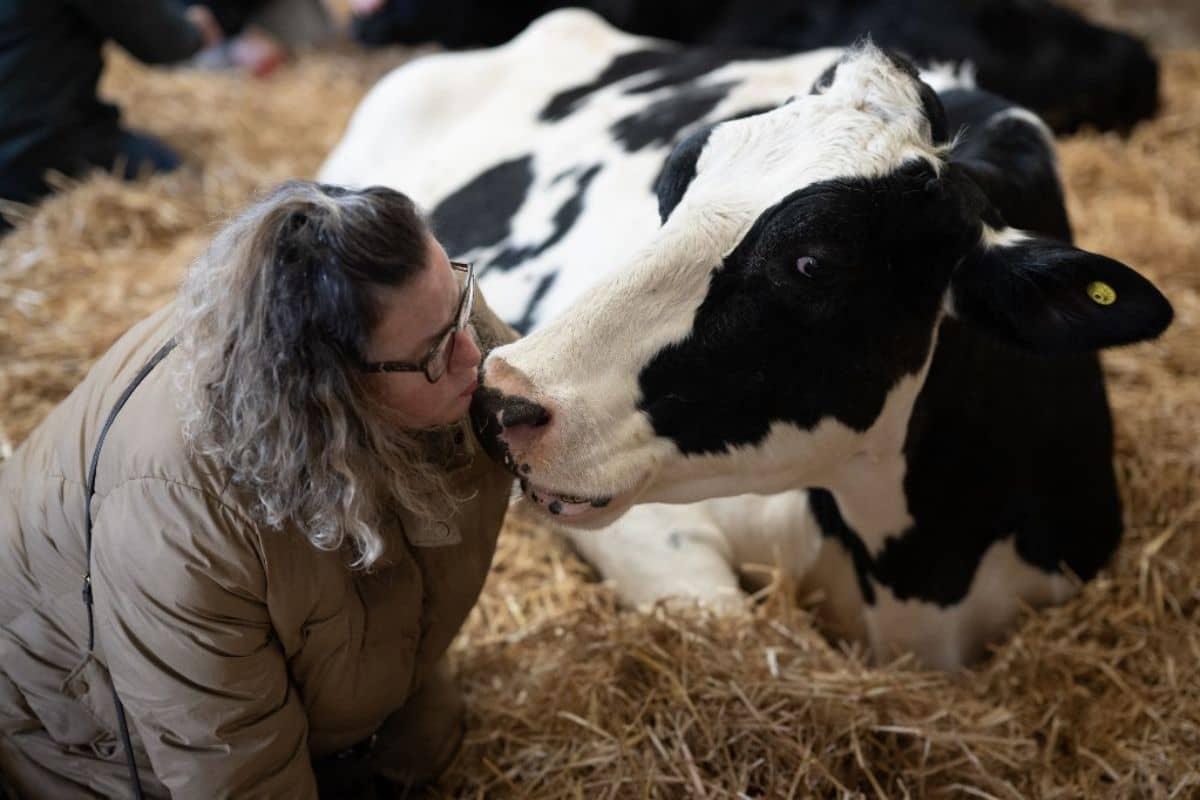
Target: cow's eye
807	266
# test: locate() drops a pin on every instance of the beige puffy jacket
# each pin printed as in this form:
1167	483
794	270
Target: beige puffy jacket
241	653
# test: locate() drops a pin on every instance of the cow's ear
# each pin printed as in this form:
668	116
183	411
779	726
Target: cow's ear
1048	297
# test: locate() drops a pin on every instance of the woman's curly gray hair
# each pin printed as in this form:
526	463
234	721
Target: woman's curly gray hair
272	324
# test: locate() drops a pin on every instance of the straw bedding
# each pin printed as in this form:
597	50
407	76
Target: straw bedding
572	697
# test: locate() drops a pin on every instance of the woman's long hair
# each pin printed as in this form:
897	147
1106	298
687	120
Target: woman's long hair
273	321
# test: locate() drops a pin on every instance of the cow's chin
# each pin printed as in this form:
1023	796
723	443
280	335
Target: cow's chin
581	510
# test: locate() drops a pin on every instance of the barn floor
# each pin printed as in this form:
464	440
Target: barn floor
571	697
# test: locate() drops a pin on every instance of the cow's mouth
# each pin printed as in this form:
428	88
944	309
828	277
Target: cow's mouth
564	505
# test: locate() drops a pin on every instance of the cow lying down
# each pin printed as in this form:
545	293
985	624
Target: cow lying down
840	331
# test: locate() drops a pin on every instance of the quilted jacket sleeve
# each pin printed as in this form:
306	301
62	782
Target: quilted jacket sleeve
183	626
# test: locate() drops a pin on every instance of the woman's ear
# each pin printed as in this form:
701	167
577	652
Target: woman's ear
1048	297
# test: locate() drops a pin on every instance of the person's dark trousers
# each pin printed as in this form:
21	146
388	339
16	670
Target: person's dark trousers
135	154
141	152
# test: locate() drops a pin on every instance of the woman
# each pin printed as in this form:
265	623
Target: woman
291	521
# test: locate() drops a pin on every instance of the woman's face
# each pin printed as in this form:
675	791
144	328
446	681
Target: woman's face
412	319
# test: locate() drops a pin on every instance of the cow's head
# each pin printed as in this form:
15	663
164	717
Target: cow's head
781	322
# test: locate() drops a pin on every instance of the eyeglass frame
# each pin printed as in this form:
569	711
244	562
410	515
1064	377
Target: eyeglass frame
462	316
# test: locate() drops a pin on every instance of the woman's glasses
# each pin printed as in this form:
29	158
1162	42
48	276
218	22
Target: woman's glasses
437	360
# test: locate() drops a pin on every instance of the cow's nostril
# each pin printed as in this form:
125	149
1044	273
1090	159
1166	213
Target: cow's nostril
517	412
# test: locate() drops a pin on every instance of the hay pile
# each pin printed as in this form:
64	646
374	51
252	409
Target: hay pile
571	697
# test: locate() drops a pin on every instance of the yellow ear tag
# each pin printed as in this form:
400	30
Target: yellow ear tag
1101	293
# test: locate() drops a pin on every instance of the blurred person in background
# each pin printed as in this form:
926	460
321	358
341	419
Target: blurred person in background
51	57
260	34
50	62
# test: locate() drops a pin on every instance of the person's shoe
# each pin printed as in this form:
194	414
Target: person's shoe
253	50
257	52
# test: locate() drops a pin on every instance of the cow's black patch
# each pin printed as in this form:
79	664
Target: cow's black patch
525	322
692	64
479	213
679	169
769	344
662	120
623	66
564	219
825	79
660	68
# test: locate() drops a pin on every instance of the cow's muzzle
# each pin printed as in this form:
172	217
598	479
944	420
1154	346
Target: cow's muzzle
507	425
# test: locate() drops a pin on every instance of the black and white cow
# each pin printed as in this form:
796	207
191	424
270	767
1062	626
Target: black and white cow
1046	57
868	339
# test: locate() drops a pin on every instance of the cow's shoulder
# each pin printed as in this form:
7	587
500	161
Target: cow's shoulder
991	454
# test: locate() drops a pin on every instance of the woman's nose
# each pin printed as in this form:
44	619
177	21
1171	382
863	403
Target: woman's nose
466	352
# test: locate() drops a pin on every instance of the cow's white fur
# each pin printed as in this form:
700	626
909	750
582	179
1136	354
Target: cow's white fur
435	123
659	551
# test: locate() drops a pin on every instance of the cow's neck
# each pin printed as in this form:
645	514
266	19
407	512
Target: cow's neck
869	490
869	486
